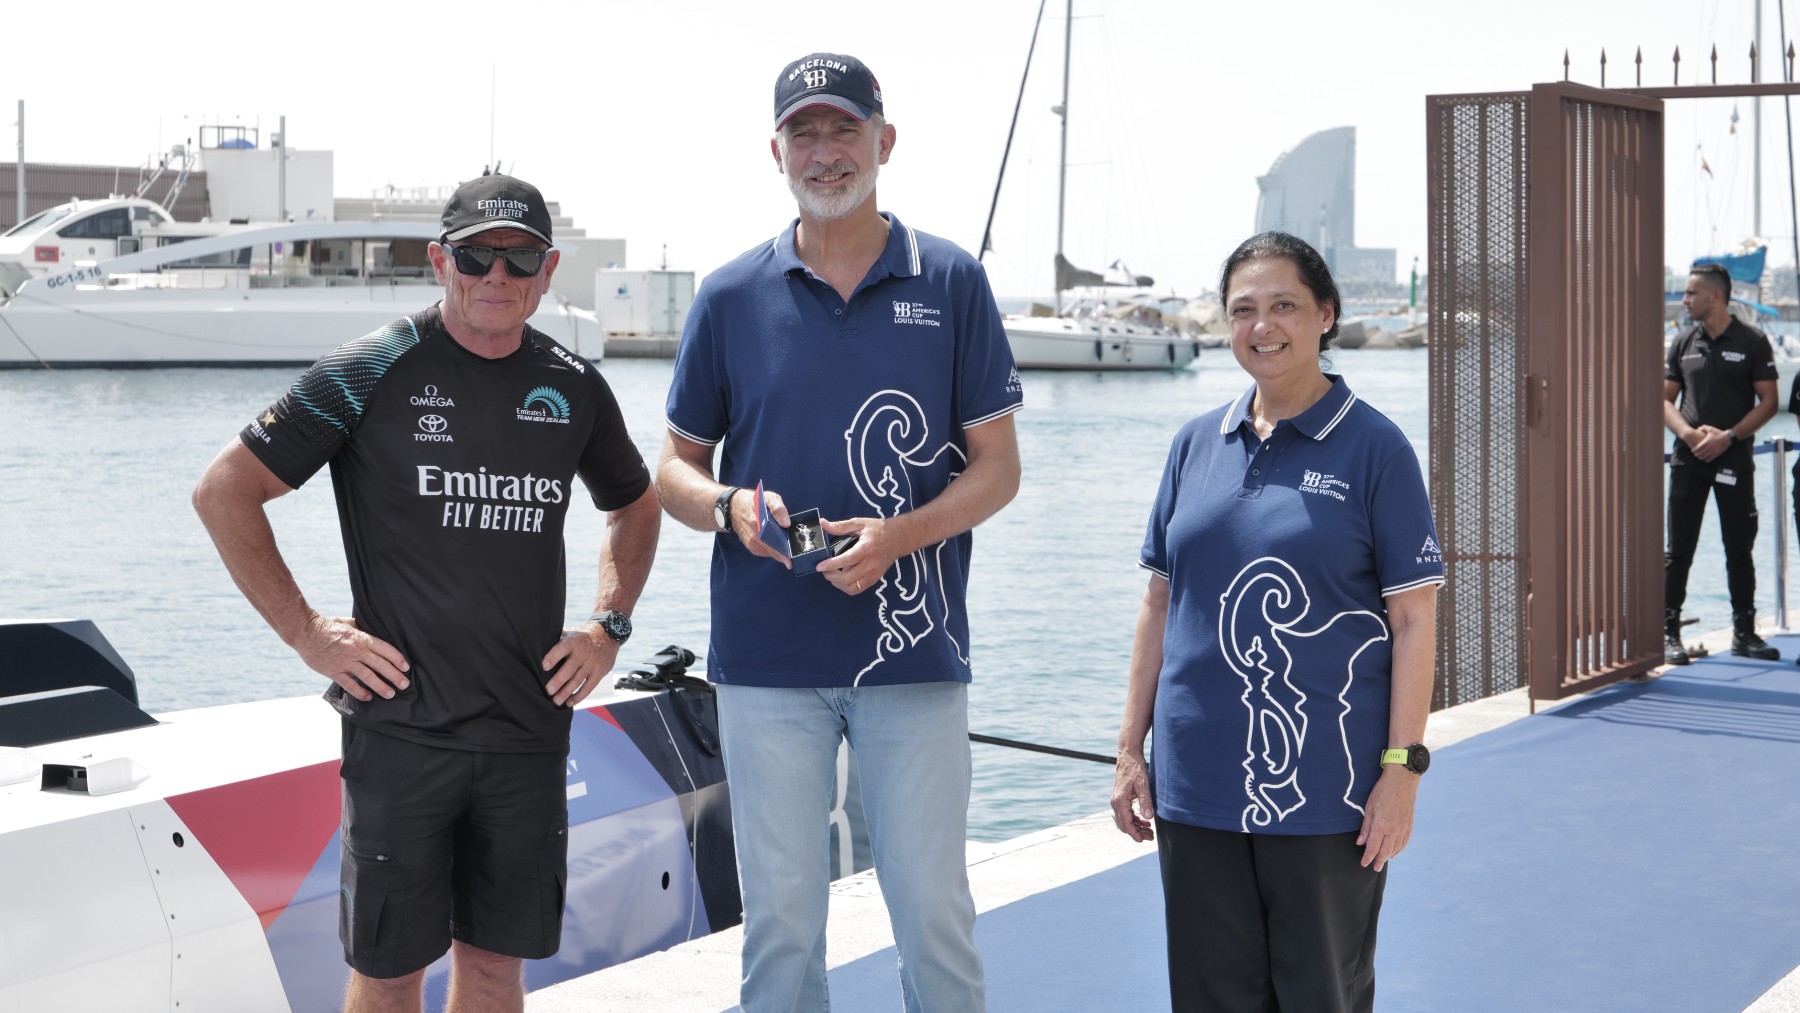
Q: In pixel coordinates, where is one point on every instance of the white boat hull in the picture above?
(210, 879)
(252, 295)
(250, 327)
(1067, 343)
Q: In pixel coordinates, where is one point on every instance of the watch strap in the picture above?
(722, 509)
(1415, 757)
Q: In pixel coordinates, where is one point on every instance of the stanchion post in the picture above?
(1780, 516)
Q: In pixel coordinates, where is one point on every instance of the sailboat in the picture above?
(1094, 329)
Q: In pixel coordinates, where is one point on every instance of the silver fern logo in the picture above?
(544, 404)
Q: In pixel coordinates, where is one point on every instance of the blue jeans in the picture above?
(912, 753)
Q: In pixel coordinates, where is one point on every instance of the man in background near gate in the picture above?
(1718, 390)
(856, 367)
(454, 436)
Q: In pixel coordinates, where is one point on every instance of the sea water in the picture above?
(97, 467)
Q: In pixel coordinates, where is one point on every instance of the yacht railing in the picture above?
(1779, 446)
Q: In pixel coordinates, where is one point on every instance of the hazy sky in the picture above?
(651, 120)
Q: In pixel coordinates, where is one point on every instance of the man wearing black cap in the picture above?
(855, 367)
(454, 436)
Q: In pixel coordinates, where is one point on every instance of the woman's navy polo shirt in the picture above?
(855, 408)
(1272, 703)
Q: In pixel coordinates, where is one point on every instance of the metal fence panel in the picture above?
(1477, 306)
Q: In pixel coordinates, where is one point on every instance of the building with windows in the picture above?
(1310, 191)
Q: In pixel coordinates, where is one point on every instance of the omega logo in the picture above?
(431, 400)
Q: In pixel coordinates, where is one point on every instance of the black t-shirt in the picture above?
(1717, 378)
(453, 474)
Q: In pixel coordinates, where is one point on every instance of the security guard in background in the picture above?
(1723, 375)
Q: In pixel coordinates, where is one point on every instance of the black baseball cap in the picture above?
(495, 201)
(826, 79)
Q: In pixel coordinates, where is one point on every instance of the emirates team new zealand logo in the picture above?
(544, 404)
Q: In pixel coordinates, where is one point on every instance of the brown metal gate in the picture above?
(1546, 280)
(1593, 388)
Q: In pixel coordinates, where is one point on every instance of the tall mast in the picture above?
(987, 232)
(1062, 159)
(21, 163)
(1756, 127)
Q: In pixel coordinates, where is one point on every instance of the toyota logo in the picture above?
(433, 423)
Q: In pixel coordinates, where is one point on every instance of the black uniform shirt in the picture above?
(453, 474)
(1717, 378)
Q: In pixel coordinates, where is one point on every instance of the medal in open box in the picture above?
(804, 541)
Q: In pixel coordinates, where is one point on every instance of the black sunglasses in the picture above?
(521, 262)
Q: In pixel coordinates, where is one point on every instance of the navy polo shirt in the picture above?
(857, 408)
(1272, 703)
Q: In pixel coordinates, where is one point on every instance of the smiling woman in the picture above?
(1284, 657)
(1283, 307)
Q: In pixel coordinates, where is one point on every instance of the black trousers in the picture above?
(1261, 923)
(1689, 484)
(1794, 489)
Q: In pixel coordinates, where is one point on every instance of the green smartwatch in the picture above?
(1415, 757)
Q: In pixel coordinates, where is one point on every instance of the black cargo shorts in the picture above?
(448, 843)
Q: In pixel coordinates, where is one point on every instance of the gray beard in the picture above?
(829, 207)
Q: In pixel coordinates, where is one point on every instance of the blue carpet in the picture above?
(1635, 850)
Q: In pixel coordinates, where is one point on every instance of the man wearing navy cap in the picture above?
(853, 366)
(454, 436)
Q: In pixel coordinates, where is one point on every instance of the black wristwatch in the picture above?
(722, 510)
(1415, 757)
(616, 624)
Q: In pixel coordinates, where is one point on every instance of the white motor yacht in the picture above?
(118, 283)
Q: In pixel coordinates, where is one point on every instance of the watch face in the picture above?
(1418, 759)
(722, 509)
(616, 624)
